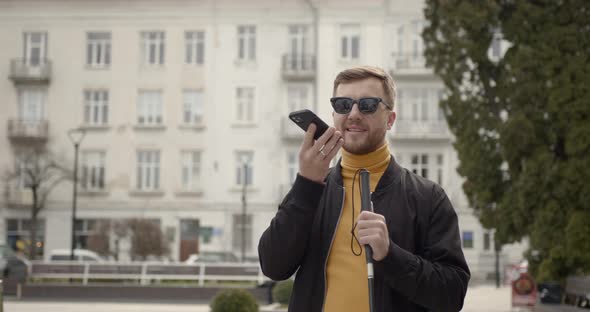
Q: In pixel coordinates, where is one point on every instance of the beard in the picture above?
(365, 142)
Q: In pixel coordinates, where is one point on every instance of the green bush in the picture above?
(234, 300)
(281, 293)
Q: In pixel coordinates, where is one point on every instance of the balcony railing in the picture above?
(409, 64)
(429, 129)
(30, 70)
(299, 67)
(290, 131)
(28, 130)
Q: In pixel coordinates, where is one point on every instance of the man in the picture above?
(319, 232)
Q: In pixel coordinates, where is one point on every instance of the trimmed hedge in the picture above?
(234, 300)
(281, 293)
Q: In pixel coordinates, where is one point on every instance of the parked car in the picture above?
(212, 256)
(12, 265)
(82, 255)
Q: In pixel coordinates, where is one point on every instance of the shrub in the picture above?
(234, 300)
(281, 293)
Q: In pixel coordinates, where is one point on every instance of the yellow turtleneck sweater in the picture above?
(346, 273)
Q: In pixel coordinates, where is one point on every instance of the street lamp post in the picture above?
(76, 136)
(244, 191)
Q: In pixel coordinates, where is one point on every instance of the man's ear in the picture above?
(391, 120)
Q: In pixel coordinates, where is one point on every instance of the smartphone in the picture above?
(305, 117)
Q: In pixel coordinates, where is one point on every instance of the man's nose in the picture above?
(355, 113)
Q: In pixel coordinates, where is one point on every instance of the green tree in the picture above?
(520, 120)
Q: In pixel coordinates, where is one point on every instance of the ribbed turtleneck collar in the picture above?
(375, 161)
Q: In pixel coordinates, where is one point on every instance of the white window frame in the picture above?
(98, 50)
(30, 45)
(192, 107)
(149, 110)
(420, 163)
(153, 47)
(242, 157)
(246, 35)
(350, 35)
(245, 108)
(93, 173)
(96, 106)
(194, 47)
(32, 104)
(190, 171)
(148, 170)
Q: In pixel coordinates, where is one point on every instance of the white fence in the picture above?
(146, 272)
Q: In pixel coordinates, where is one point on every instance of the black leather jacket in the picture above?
(424, 270)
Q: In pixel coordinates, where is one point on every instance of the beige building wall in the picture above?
(218, 137)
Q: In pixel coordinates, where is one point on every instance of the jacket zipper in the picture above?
(329, 249)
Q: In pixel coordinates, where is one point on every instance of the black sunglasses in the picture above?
(343, 105)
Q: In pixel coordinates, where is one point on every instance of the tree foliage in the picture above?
(521, 120)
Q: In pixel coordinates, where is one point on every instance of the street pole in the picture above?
(76, 136)
(244, 186)
(74, 200)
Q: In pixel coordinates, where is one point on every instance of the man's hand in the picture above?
(315, 157)
(372, 230)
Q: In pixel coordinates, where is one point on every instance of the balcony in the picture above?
(28, 131)
(418, 129)
(298, 67)
(409, 64)
(30, 71)
(290, 131)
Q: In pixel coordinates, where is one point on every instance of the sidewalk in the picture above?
(483, 298)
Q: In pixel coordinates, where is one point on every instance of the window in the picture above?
(92, 234)
(424, 105)
(298, 97)
(299, 47)
(93, 170)
(244, 158)
(400, 41)
(31, 104)
(148, 170)
(439, 99)
(18, 236)
(195, 47)
(153, 46)
(96, 107)
(247, 43)
(192, 113)
(245, 105)
(419, 164)
(292, 165)
(468, 239)
(486, 241)
(242, 231)
(25, 167)
(35, 48)
(149, 108)
(98, 49)
(350, 42)
(439, 169)
(191, 170)
(417, 39)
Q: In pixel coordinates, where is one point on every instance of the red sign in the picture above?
(524, 291)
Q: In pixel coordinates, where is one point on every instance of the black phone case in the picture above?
(305, 117)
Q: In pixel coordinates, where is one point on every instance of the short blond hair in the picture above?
(364, 72)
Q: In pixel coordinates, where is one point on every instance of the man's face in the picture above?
(363, 133)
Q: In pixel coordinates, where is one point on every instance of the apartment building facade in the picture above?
(174, 97)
